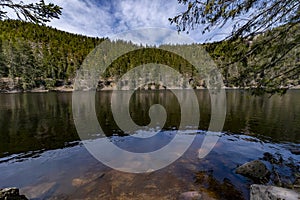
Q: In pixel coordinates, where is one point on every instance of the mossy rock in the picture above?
(255, 169)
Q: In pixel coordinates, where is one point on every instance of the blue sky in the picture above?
(104, 18)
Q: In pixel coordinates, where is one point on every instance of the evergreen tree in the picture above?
(3, 66)
(277, 20)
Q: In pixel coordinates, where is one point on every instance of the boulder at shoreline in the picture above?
(259, 192)
(11, 194)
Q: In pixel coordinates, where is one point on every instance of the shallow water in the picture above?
(41, 152)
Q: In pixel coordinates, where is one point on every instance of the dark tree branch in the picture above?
(33, 12)
(264, 33)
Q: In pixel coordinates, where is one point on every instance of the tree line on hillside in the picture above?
(268, 61)
(34, 55)
(271, 64)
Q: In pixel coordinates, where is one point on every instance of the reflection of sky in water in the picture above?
(63, 165)
(143, 145)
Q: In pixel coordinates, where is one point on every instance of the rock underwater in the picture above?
(11, 194)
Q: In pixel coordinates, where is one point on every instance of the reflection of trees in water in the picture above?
(44, 121)
(35, 121)
(275, 117)
(140, 103)
(221, 190)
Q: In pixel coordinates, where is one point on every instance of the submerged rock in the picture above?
(297, 184)
(271, 159)
(295, 151)
(40, 191)
(255, 169)
(192, 195)
(11, 194)
(259, 192)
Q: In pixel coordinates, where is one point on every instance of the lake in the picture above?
(41, 152)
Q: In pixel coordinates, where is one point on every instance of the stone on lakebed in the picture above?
(11, 194)
(192, 195)
(259, 192)
(254, 169)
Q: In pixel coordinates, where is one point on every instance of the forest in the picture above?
(34, 55)
(37, 56)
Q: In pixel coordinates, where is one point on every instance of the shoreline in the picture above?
(69, 90)
(11, 86)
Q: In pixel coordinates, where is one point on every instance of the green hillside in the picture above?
(34, 56)
(269, 61)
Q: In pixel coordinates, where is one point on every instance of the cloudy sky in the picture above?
(104, 18)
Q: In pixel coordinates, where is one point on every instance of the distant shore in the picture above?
(69, 90)
(11, 87)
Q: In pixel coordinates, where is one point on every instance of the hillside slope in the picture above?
(33, 56)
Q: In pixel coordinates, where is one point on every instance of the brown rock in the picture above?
(38, 191)
(254, 169)
(192, 195)
(258, 192)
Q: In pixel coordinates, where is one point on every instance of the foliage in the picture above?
(33, 12)
(249, 16)
(272, 24)
(38, 56)
(35, 53)
(272, 67)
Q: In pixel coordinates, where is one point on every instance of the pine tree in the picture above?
(3, 65)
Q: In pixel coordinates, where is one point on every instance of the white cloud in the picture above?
(146, 13)
(83, 17)
(153, 36)
(105, 18)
